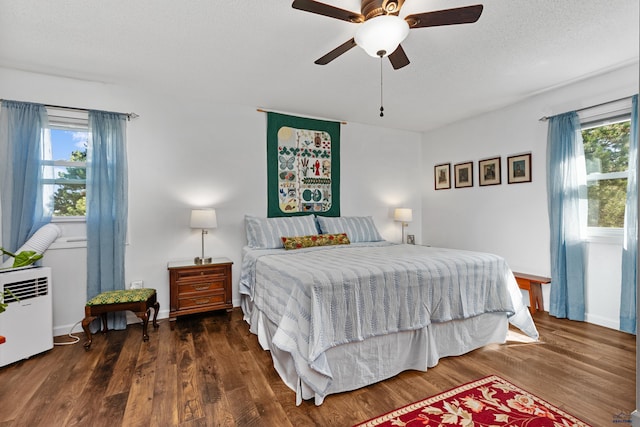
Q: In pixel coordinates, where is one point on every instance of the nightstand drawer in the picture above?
(201, 300)
(209, 272)
(200, 286)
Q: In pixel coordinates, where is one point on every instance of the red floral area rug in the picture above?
(489, 401)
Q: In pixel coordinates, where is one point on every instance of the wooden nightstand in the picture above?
(199, 288)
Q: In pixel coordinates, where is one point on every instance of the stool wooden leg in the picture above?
(536, 296)
(144, 315)
(105, 327)
(156, 308)
(532, 301)
(85, 325)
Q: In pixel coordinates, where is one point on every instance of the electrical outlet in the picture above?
(137, 284)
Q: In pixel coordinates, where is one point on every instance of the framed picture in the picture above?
(519, 168)
(411, 239)
(489, 171)
(442, 176)
(463, 174)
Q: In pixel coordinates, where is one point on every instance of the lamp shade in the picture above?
(403, 215)
(203, 218)
(380, 36)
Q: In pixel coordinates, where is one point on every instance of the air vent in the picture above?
(26, 289)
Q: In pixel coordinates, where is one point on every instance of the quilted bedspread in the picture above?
(327, 296)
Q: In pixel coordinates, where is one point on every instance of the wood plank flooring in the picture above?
(210, 371)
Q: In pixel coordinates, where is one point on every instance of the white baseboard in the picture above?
(603, 321)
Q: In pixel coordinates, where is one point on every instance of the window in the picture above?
(606, 150)
(65, 156)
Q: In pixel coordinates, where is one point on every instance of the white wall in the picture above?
(184, 153)
(512, 219)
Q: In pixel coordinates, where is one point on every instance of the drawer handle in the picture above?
(201, 301)
(200, 287)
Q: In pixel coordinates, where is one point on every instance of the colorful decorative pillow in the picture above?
(358, 228)
(265, 233)
(315, 240)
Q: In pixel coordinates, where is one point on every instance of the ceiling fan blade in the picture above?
(460, 15)
(327, 10)
(398, 58)
(336, 52)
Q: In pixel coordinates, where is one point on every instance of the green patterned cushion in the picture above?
(119, 297)
(315, 240)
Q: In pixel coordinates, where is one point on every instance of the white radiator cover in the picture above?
(27, 323)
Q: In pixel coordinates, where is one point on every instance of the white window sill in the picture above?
(69, 242)
(605, 236)
(69, 219)
(73, 230)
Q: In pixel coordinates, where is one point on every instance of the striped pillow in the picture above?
(358, 228)
(267, 233)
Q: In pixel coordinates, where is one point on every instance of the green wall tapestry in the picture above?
(303, 166)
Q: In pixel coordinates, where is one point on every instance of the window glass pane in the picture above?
(607, 199)
(606, 148)
(67, 198)
(69, 144)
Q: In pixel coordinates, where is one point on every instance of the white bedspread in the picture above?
(324, 297)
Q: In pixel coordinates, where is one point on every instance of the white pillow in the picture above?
(267, 233)
(358, 228)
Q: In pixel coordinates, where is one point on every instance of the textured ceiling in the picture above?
(260, 53)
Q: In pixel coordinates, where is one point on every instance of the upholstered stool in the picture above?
(139, 301)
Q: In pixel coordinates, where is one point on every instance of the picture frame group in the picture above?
(489, 172)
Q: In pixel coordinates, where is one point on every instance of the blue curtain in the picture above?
(566, 191)
(106, 206)
(630, 249)
(22, 128)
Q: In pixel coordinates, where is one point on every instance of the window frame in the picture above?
(611, 113)
(73, 228)
(67, 120)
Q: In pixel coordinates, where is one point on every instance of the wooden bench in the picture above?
(140, 301)
(532, 284)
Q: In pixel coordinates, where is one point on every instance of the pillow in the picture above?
(358, 228)
(266, 233)
(315, 240)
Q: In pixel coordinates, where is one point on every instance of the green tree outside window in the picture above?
(606, 150)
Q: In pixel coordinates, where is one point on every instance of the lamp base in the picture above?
(199, 261)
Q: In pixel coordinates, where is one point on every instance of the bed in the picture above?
(339, 317)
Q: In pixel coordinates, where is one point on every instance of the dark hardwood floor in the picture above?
(211, 371)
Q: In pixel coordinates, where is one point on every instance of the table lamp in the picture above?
(403, 215)
(204, 219)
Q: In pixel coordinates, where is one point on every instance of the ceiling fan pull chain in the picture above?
(381, 107)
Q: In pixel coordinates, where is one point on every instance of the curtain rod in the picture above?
(260, 110)
(62, 107)
(545, 118)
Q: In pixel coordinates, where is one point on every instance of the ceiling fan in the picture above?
(381, 29)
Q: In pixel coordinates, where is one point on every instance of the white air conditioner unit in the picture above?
(27, 323)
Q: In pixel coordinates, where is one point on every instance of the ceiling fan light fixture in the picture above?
(380, 36)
